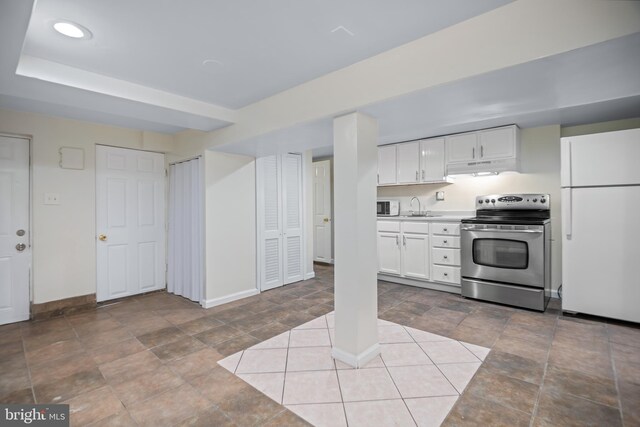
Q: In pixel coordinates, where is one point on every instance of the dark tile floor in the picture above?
(151, 360)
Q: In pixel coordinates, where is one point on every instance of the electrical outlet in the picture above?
(51, 198)
(439, 195)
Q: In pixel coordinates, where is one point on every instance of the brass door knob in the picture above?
(102, 237)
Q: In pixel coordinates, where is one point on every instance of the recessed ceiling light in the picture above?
(71, 29)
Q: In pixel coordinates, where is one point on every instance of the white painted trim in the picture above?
(554, 294)
(311, 275)
(356, 360)
(229, 298)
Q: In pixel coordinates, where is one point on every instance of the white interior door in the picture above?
(15, 253)
(322, 222)
(130, 219)
(185, 273)
(269, 201)
(292, 217)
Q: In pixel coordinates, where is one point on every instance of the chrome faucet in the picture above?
(411, 203)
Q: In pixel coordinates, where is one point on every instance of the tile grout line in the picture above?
(396, 385)
(286, 362)
(534, 411)
(615, 374)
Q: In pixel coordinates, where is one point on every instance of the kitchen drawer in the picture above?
(415, 227)
(445, 242)
(447, 228)
(440, 273)
(445, 256)
(389, 226)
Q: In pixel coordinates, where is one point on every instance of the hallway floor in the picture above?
(152, 360)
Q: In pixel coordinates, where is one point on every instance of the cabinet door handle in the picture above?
(445, 229)
(404, 241)
(473, 153)
(378, 178)
(445, 242)
(445, 257)
(445, 274)
(416, 176)
(481, 151)
(423, 174)
(397, 241)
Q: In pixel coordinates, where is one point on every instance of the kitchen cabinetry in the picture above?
(403, 249)
(490, 150)
(387, 165)
(418, 162)
(445, 253)
(420, 253)
(408, 163)
(432, 168)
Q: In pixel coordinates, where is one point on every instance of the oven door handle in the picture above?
(501, 231)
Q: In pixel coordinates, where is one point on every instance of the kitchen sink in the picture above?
(423, 215)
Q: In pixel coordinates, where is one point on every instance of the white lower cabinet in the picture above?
(403, 249)
(428, 252)
(389, 253)
(415, 255)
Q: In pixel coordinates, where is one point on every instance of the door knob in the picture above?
(20, 233)
(102, 237)
(21, 247)
(326, 220)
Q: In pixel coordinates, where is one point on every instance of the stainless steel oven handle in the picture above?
(494, 230)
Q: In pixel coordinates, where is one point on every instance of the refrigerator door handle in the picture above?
(566, 212)
(565, 169)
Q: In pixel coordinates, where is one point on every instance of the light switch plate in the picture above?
(51, 198)
(439, 195)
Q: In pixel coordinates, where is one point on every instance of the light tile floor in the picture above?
(416, 380)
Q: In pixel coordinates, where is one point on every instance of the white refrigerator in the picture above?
(600, 180)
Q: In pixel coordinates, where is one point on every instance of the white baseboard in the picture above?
(356, 360)
(233, 297)
(310, 275)
(554, 294)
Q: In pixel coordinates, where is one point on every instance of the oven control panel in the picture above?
(513, 201)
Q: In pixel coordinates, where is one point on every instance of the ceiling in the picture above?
(166, 66)
(593, 84)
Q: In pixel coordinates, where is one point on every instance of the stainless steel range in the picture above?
(506, 250)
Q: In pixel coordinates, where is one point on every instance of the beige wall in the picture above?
(230, 253)
(540, 174)
(63, 236)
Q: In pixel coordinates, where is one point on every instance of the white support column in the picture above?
(356, 299)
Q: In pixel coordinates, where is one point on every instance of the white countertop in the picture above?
(438, 216)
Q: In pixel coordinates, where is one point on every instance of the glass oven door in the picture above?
(503, 253)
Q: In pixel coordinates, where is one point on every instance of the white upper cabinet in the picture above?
(491, 150)
(462, 147)
(432, 160)
(497, 143)
(387, 165)
(408, 163)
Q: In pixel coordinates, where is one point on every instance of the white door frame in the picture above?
(29, 249)
(164, 213)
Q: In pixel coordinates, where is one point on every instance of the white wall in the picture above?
(63, 236)
(230, 253)
(540, 174)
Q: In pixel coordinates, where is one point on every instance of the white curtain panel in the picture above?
(186, 230)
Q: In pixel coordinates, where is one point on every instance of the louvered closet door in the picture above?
(270, 202)
(292, 217)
